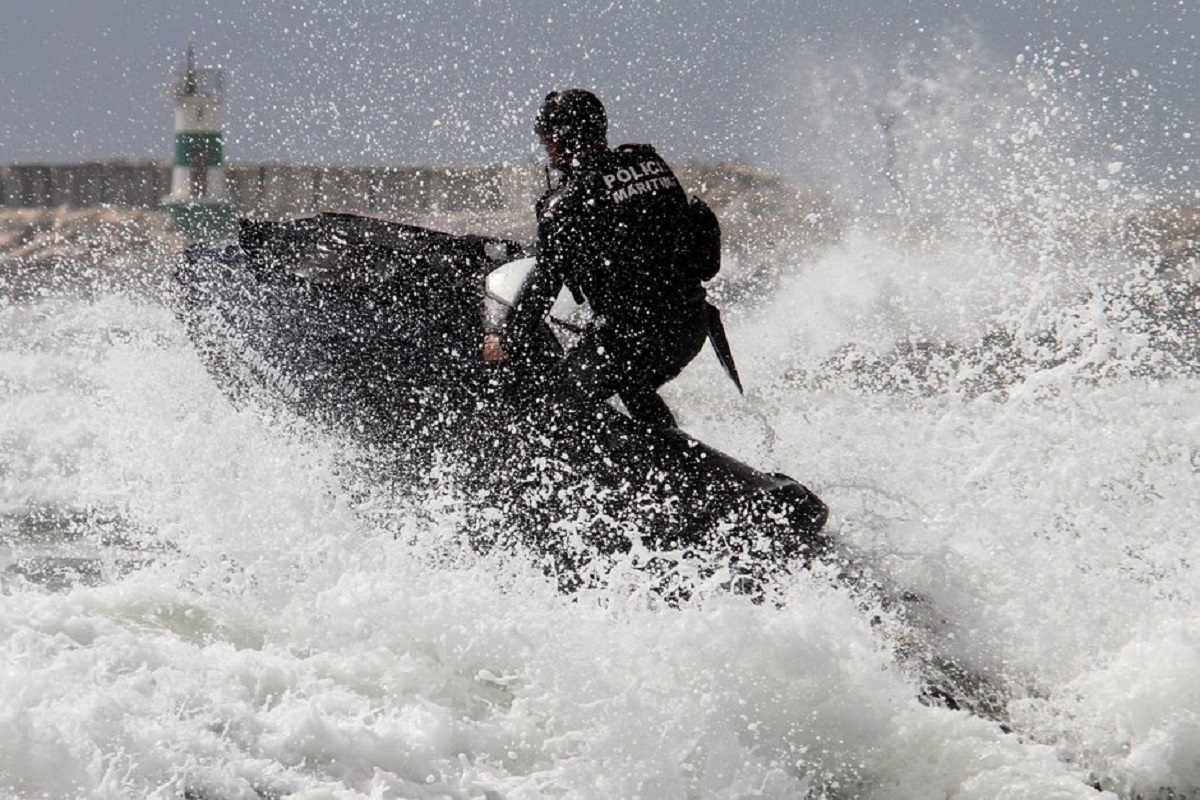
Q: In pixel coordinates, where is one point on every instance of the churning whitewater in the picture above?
(997, 401)
(195, 604)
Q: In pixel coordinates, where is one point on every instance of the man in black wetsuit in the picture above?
(616, 232)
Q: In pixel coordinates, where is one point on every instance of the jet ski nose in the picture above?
(804, 516)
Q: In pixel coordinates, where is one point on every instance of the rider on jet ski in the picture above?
(619, 232)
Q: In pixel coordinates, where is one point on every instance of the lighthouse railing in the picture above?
(199, 82)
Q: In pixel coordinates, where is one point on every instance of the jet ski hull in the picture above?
(372, 331)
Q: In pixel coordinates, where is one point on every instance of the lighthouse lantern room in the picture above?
(199, 201)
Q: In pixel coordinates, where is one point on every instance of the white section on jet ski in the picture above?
(505, 282)
(504, 287)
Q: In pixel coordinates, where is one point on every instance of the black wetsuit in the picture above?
(613, 231)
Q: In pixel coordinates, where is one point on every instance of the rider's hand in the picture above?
(493, 350)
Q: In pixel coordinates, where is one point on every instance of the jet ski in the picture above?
(372, 331)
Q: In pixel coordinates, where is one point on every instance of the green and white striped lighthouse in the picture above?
(199, 200)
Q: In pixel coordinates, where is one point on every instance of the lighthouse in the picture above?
(199, 200)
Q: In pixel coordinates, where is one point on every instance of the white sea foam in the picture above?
(246, 630)
(282, 644)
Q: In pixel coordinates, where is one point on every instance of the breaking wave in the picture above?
(996, 398)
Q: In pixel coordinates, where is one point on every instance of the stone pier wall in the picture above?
(116, 183)
(758, 211)
(275, 191)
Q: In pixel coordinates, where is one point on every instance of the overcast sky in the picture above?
(802, 87)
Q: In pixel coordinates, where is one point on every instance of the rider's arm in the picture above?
(519, 330)
(563, 243)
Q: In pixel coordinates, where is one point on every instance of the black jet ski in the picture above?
(373, 330)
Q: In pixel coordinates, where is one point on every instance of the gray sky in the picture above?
(796, 86)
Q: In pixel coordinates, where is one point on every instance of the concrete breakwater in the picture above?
(275, 191)
(758, 210)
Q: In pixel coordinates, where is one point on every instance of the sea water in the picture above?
(197, 601)
(195, 605)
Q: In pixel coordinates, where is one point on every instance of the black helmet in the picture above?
(572, 118)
